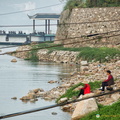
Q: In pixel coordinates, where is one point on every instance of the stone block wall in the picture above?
(87, 21)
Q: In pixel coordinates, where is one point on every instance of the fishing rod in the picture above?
(55, 105)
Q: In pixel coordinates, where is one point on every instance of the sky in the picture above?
(7, 6)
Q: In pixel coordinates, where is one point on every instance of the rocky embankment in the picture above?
(44, 55)
(89, 72)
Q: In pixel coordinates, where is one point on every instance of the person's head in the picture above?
(108, 72)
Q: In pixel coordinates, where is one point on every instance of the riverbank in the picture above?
(92, 70)
(57, 53)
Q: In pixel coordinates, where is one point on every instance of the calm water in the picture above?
(16, 79)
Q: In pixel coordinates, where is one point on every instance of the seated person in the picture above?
(108, 82)
(84, 90)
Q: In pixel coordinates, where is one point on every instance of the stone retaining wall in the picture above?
(46, 55)
(84, 15)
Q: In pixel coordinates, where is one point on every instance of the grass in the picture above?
(32, 55)
(102, 54)
(71, 92)
(111, 112)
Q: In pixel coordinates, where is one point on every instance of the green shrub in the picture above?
(91, 3)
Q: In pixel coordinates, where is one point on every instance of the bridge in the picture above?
(19, 38)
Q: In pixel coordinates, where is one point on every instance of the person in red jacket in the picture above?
(84, 90)
(108, 82)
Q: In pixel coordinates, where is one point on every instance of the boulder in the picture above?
(13, 60)
(115, 96)
(84, 107)
(84, 63)
(62, 100)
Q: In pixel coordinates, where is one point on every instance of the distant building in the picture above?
(47, 17)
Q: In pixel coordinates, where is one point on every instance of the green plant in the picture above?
(102, 54)
(71, 92)
(90, 3)
(32, 55)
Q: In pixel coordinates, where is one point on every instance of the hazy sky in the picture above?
(7, 6)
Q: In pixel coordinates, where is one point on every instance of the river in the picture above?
(16, 79)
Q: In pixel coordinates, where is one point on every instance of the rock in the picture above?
(88, 95)
(31, 96)
(115, 96)
(47, 98)
(13, 60)
(84, 68)
(65, 85)
(0, 50)
(36, 90)
(54, 113)
(97, 91)
(51, 82)
(66, 107)
(14, 98)
(33, 100)
(84, 63)
(84, 107)
(40, 94)
(25, 98)
(62, 100)
(41, 90)
(108, 101)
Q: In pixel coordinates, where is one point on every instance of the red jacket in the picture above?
(86, 88)
(109, 78)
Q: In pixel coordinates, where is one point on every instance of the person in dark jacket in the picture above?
(108, 82)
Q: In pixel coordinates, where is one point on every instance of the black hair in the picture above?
(108, 71)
